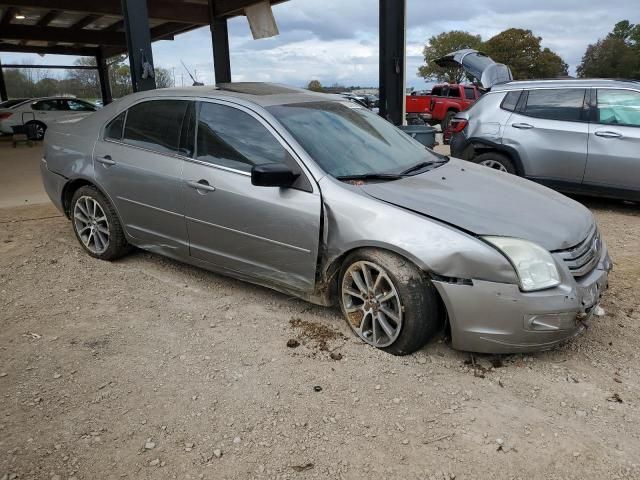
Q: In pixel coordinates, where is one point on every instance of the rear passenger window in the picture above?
(113, 130)
(556, 104)
(454, 92)
(155, 125)
(232, 138)
(511, 100)
(469, 93)
(619, 107)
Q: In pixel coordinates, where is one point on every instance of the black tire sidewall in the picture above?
(117, 244)
(421, 317)
(38, 124)
(497, 157)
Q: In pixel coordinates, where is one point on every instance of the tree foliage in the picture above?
(82, 83)
(315, 86)
(520, 50)
(440, 45)
(615, 56)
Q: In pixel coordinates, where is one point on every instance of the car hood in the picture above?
(478, 65)
(483, 201)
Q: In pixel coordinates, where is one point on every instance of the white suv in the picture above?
(577, 136)
(41, 112)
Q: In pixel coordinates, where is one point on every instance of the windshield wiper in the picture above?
(372, 176)
(421, 165)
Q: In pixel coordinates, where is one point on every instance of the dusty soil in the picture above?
(146, 368)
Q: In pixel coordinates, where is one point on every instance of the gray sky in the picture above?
(337, 40)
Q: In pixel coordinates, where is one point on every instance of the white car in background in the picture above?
(41, 112)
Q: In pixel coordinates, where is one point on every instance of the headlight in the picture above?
(534, 265)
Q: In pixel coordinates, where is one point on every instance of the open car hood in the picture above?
(478, 65)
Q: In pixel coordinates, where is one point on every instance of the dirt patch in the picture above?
(146, 368)
(316, 335)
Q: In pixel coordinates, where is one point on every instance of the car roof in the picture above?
(263, 94)
(553, 83)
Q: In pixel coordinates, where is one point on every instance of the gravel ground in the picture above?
(147, 368)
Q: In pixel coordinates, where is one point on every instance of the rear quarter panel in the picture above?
(68, 148)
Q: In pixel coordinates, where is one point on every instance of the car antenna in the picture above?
(195, 82)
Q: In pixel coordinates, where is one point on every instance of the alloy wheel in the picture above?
(91, 225)
(372, 304)
(494, 164)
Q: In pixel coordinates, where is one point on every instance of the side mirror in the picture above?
(273, 175)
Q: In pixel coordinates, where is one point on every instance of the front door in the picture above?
(614, 141)
(138, 161)
(549, 130)
(263, 233)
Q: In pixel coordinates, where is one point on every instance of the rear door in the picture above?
(138, 162)
(265, 233)
(614, 140)
(549, 129)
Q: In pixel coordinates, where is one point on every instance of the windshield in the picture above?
(348, 140)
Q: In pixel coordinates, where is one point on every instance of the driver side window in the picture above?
(231, 138)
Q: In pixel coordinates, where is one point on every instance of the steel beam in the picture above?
(165, 10)
(103, 76)
(220, 40)
(59, 50)
(3, 86)
(55, 67)
(59, 34)
(392, 59)
(136, 25)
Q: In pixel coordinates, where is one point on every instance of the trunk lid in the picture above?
(478, 65)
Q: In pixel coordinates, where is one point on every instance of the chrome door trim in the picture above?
(257, 237)
(125, 199)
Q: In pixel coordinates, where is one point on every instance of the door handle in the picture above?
(106, 160)
(522, 126)
(608, 134)
(201, 185)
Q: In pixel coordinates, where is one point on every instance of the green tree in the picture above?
(315, 86)
(520, 50)
(440, 45)
(615, 56)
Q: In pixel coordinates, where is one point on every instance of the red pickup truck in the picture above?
(441, 104)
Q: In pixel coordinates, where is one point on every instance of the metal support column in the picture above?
(136, 26)
(103, 75)
(220, 40)
(392, 63)
(3, 86)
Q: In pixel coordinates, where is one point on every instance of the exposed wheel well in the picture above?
(479, 149)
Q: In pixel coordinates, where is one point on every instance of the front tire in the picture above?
(96, 224)
(388, 302)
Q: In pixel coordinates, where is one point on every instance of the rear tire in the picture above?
(40, 127)
(496, 161)
(388, 302)
(96, 224)
(447, 120)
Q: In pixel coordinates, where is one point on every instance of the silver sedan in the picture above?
(318, 197)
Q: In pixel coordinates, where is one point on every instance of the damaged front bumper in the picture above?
(489, 317)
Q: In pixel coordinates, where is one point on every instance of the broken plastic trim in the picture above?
(453, 280)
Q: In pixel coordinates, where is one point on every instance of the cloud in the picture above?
(337, 40)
